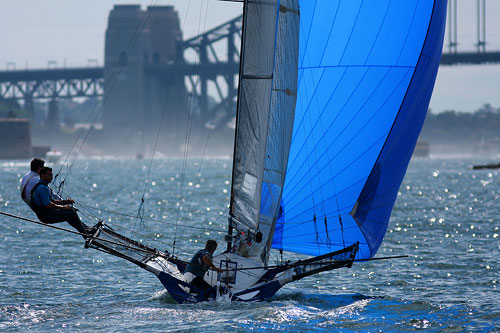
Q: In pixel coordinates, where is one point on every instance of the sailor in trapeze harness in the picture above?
(199, 265)
(51, 211)
(31, 179)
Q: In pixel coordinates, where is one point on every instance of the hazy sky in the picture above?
(70, 32)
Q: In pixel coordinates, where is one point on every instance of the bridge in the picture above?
(211, 68)
(452, 55)
(214, 72)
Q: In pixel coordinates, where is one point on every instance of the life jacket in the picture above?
(27, 199)
(38, 209)
(196, 265)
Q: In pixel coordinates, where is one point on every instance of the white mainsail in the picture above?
(265, 113)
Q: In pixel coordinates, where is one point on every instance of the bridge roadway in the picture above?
(470, 58)
(89, 81)
(51, 83)
(52, 74)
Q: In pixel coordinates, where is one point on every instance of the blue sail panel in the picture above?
(381, 189)
(366, 73)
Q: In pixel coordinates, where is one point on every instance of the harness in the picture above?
(39, 210)
(28, 198)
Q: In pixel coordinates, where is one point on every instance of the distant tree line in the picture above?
(467, 129)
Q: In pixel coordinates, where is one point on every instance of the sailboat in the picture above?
(332, 96)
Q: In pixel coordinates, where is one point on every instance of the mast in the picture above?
(229, 238)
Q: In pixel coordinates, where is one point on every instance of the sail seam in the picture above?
(356, 66)
(257, 77)
(341, 110)
(399, 111)
(265, 141)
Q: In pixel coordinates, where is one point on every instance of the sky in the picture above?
(71, 33)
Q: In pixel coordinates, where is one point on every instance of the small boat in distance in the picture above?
(53, 156)
(486, 166)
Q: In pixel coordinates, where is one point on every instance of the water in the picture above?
(446, 219)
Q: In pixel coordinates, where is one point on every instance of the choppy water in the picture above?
(446, 219)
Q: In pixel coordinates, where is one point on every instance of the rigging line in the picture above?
(189, 125)
(206, 229)
(138, 234)
(164, 109)
(88, 208)
(99, 104)
(88, 215)
(202, 159)
(74, 232)
(146, 219)
(93, 216)
(211, 127)
(316, 263)
(153, 239)
(90, 129)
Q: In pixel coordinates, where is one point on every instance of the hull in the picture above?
(244, 280)
(179, 291)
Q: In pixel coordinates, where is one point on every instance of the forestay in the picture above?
(366, 74)
(266, 103)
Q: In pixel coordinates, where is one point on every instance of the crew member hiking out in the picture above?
(31, 179)
(199, 265)
(54, 211)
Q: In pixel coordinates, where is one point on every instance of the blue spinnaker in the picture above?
(366, 73)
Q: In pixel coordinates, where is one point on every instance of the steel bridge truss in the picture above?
(65, 88)
(204, 51)
(51, 84)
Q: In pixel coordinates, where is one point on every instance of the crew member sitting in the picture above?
(199, 265)
(54, 211)
(31, 179)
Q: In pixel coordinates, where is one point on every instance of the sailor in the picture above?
(49, 210)
(31, 179)
(199, 265)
